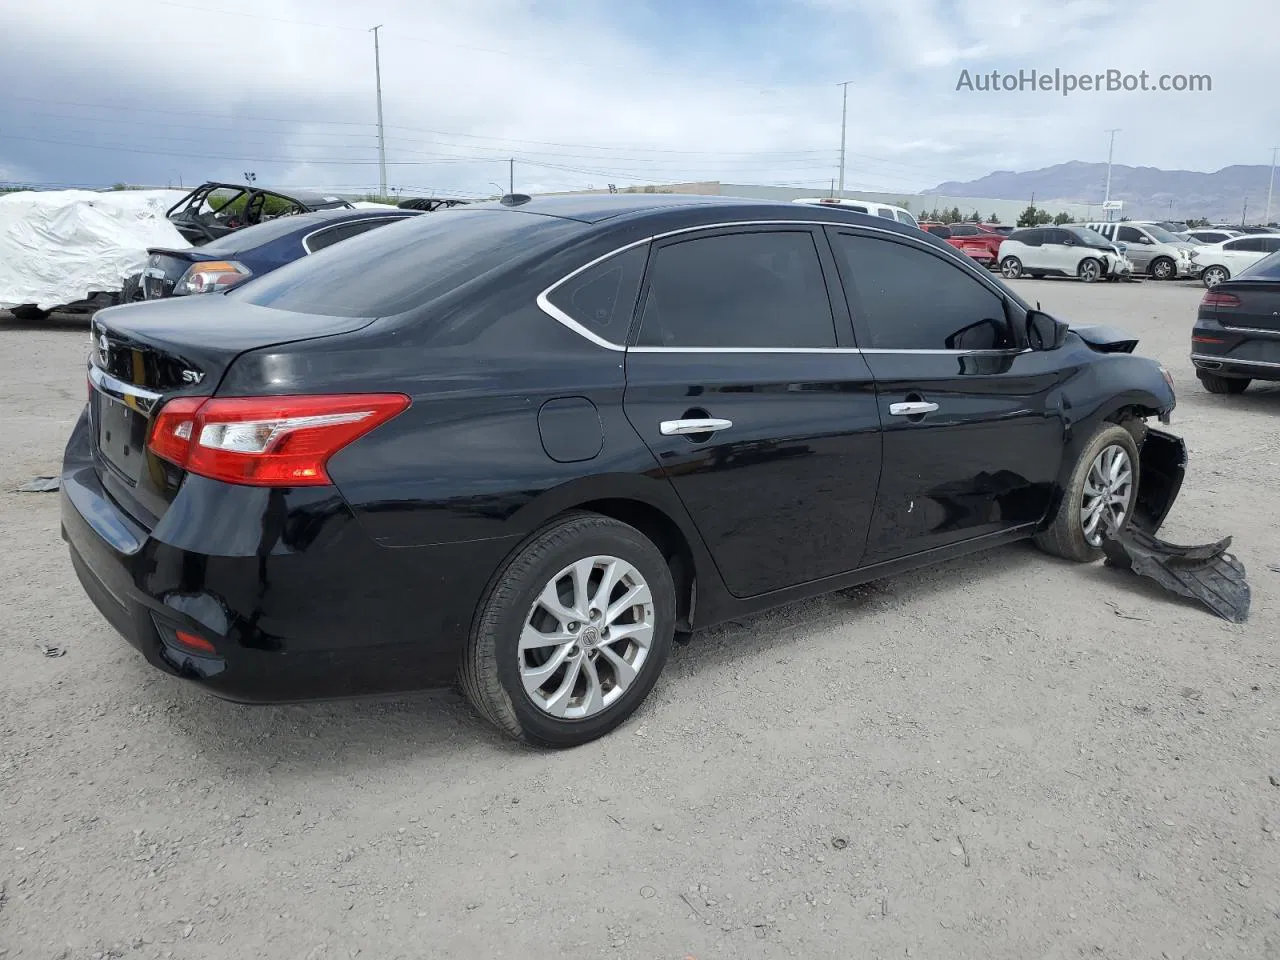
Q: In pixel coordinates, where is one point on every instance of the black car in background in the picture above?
(214, 209)
(1236, 338)
(252, 252)
(525, 443)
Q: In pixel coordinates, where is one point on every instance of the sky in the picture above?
(584, 93)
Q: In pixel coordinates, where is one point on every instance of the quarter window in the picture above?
(910, 299)
(760, 289)
(603, 297)
(345, 231)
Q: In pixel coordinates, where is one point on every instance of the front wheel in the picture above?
(1214, 275)
(572, 634)
(1163, 269)
(1098, 498)
(1011, 268)
(1089, 270)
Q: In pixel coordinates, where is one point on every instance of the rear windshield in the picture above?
(258, 234)
(397, 268)
(1268, 268)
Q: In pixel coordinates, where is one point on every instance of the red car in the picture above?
(978, 240)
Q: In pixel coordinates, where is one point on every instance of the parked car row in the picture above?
(418, 454)
(1065, 251)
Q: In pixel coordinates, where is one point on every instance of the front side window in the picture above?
(1130, 235)
(910, 299)
(761, 289)
(602, 298)
(885, 212)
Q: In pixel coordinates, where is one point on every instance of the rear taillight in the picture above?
(266, 441)
(1212, 299)
(211, 276)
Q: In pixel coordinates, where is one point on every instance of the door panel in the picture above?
(785, 494)
(934, 332)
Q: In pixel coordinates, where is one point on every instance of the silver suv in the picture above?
(1151, 249)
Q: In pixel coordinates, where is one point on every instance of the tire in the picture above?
(132, 291)
(1036, 276)
(1089, 270)
(1219, 384)
(1214, 275)
(1162, 268)
(28, 313)
(1011, 268)
(495, 669)
(1065, 537)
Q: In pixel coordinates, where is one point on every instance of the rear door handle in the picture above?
(678, 428)
(913, 408)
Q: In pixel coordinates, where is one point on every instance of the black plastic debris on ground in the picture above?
(41, 485)
(1205, 573)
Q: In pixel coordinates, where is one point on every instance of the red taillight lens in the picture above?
(266, 441)
(192, 642)
(1212, 299)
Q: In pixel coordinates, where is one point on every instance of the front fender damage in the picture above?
(1206, 573)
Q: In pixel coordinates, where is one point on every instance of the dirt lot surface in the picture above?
(1005, 757)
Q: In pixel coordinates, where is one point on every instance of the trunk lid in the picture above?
(1258, 309)
(143, 355)
(165, 268)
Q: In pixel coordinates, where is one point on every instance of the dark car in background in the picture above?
(254, 251)
(525, 443)
(1236, 338)
(214, 209)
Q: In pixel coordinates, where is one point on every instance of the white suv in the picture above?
(886, 210)
(1222, 261)
(1068, 251)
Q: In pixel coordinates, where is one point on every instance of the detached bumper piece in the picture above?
(1206, 573)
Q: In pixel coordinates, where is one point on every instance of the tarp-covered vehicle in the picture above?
(71, 250)
(213, 209)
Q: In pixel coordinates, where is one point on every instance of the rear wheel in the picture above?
(1098, 498)
(1089, 270)
(1011, 268)
(572, 634)
(1219, 384)
(1162, 268)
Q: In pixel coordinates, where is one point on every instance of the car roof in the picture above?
(294, 225)
(597, 207)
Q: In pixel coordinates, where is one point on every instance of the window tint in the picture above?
(1032, 238)
(1129, 235)
(345, 231)
(911, 299)
(885, 212)
(1246, 244)
(1054, 236)
(1271, 244)
(964, 230)
(386, 272)
(907, 218)
(856, 209)
(738, 290)
(939, 231)
(603, 298)
(1268, 268)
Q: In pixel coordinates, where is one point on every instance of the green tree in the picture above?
(993, 218)
(975, 217)
(1062, 218)
(955, 215)
(903, 204)
(1027, 218)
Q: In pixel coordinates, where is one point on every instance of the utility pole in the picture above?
(844, 117)
(1271, 184)
(1110, 152)
(1244, 212)
(511, 175)
(382, 140)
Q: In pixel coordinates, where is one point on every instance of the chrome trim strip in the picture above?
(1231, 361)
(144, 401)
(1255, 330)
(555, 313)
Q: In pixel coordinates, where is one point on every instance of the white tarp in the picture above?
(372, 205)
(57, 246)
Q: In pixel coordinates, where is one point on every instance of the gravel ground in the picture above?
(1004, 757)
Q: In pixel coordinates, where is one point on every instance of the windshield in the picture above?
(405, 265)
(1091, 237)
(1160, 233)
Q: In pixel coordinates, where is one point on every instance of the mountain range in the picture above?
(1147, 192)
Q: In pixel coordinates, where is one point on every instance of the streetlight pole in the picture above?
(511, 175)
(1110, 153)
(1271, 184)
(844, 117)
(382, 140)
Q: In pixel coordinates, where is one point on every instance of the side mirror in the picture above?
(1145, 240)
(1045, 332)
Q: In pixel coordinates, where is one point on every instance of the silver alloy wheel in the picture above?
(1089, 271)
(586, 638)
(1108, 492)
(1163, 269)
(1214, 276)
(1011, 268)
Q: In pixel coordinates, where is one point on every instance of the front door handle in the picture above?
(915, 408)
(679, 428)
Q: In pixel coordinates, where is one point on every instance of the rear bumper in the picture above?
(321, 611)
(1235, 351)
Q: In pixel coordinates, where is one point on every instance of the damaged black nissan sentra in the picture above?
(526, 443)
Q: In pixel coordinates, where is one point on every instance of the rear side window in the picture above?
(1271, 244)
(885, 212)
(907, 218)
(391, 271)
(910, 299)
(761, 289)
(1032, 238)
(1246, 244)
(602, 297)
(963, 230)
(345, 231)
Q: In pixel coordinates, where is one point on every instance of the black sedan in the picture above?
(526, 443)
(1236, 339)
(232, 259)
